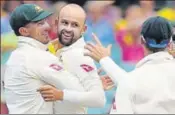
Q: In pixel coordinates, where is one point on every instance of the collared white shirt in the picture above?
(30, 67)
(149, 89)
(83, 67)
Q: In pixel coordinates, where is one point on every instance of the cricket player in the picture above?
(30, 66)
(172, 45)
(71, 26)
(149, 89)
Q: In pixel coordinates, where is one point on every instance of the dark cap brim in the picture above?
(42, 16)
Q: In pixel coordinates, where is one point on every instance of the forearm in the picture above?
(93, 95)
(113, 70)
(87, 99)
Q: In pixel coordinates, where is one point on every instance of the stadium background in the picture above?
(115, 22)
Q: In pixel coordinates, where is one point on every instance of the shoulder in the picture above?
(79, 54)
(76, 55)
(17, 56)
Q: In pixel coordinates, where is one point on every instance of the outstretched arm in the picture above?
(101, 54)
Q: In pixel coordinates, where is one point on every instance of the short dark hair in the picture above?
(154, 50)
(157, 33)
(16, 31)
(16, 28)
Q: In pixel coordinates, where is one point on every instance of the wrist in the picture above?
(60, 95)
(103, 58)
(98, 59)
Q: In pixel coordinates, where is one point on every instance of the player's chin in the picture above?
(46, 40)
(66, 42)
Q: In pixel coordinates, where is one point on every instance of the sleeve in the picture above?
(123, 99)
(94, 96)
(113, 70)
(56, 75)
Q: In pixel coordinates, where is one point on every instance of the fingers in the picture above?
(87, 54)
(93, 53)
(94, 49)
(90, 47)
(109, 47)
(45, 88)
(49, 99)
(110, 83)
(110, 87)
(107, 79)
(95, 38)
(50, 93)
(47, 96)
(90, 54)
(46, 92)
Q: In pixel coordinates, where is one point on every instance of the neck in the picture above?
(147, 51)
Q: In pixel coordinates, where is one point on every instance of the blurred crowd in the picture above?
(112, 24)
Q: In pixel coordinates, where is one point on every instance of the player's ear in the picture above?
(56, 22)
(84, 29)
(24, 31)
(142, 40)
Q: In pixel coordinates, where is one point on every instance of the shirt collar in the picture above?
(78, 44)
(155, 57)
(32, 42)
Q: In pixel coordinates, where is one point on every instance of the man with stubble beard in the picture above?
(71, 26)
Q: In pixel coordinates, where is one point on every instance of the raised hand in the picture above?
(97, 51)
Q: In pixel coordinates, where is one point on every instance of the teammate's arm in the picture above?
(93, 96)
(51, 75)
(101, 54)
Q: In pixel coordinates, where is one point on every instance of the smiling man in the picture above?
(71, 26)
(30, 67)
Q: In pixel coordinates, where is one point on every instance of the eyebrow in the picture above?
(64, 20)
(69, 21)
